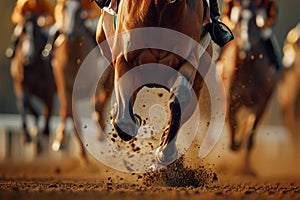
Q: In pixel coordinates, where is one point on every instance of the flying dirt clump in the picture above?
(179, 175)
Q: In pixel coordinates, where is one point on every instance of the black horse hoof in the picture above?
(28, 137)
(235, 147)
(122, 134)
(128, 135)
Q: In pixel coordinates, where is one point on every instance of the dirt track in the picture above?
(72, 179)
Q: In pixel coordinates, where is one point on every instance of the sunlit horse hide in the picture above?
(249, 78)
(71, 48)
(184, 16)
(32, 75)
(289, 85)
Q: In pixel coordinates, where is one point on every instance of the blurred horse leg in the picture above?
(287, 96)
(22, 103)
(233, 124)
(104, 91)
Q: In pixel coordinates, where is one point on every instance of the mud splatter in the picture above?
(179, 175)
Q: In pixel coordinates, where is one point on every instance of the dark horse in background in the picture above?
(184, 16)
(32, 75)
(250, 79)
(71, 48)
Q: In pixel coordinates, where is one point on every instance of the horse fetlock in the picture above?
(235, 146)
(27, 136)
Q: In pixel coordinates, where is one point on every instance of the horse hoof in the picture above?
(123, 135)
(39, 148)
(235, 147)
(249, 172)
(156, 167)
(131, 131)
(57, 145)
(166, 158)
(28, 138)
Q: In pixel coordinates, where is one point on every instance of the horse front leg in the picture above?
(23, 105)
(124, 121)
(233, 108)
(60, 132)
(182, 103)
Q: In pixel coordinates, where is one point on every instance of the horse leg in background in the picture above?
(60, 134)
(104, 91)
(287, 96)
(46, 130)
(36, 120)
(83, 154)
(233, 125)
(22, 107)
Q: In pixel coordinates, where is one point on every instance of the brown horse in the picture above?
(249, 77)
(289, 85)
(32, 75)
(71, 48)
(184, 16)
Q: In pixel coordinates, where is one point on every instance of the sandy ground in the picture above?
(72, 178)
(69, 177)
(63, 175)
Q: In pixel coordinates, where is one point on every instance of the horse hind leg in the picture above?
(22, 104)
(104, 91)
(233, 108)
(82, 152)
(250, 143)
(60, 134)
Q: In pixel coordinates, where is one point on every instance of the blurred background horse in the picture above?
(32, 75)
(71, 48)
(289, 85)
(250, 79)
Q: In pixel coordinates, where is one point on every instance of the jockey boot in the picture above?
(273, 56)
(10, 51)
(102, 3)
(219, 32)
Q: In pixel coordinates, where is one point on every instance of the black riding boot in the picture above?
(102, 3)
(272, 54)
(219, 32)
(10, 51)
